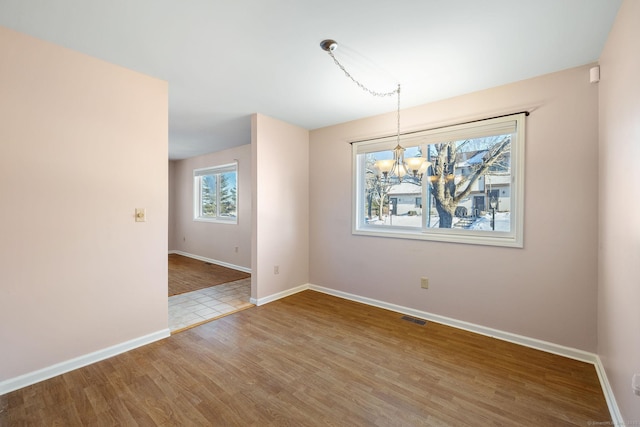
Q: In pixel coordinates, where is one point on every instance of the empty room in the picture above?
(428, 204)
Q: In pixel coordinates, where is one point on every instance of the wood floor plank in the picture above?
(189, 274)
(312, 359)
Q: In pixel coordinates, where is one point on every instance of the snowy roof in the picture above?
(406, 188)
(476, 159)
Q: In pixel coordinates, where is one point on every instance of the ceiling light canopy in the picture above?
(329, 45)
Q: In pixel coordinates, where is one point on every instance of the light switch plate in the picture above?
(141, 215)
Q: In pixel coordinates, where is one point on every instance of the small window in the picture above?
(216, 194)
(468, 189)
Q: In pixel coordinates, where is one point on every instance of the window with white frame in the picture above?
(216, 194)
(469, 189)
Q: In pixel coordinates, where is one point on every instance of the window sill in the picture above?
(217, 220)
(447, 236)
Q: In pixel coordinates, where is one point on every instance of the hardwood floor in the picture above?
(188, 274)
(313, 359)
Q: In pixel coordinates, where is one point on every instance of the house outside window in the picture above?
(472, 186)
(216, 194)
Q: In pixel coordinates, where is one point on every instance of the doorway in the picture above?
(201, 291)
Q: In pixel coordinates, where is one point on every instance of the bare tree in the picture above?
(376, 190)
(447, 188)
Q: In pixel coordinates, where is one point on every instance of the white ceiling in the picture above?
(227, 59)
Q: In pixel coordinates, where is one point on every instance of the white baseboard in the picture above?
(60, 368)
(479, 329)
(548, 347)
(616, 416)
(212, 261)
(277, 296)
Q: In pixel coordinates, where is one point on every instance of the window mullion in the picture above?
(426, 197)
(218, 195)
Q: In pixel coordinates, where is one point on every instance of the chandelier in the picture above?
(398, 169)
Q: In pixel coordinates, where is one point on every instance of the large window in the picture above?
(216, 194)
(469, 189)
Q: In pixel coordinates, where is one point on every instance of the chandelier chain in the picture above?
(399, 168)
(398, 134)
(360, 85)
(370, 91)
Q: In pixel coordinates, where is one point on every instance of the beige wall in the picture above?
(619, 292)
(545, 291)
(280, 156)
(214, 241)
(82, 144)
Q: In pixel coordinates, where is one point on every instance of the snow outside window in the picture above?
(216, 194)
(471, 192)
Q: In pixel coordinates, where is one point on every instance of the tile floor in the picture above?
(193, 308)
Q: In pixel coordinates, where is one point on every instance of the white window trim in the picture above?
(229, 167)
(513, 238)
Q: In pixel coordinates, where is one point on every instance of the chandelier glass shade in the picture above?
(399, 169)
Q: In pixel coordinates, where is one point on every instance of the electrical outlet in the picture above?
(276, 269)
(424, 283)
(635, 384)
(236, 249)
